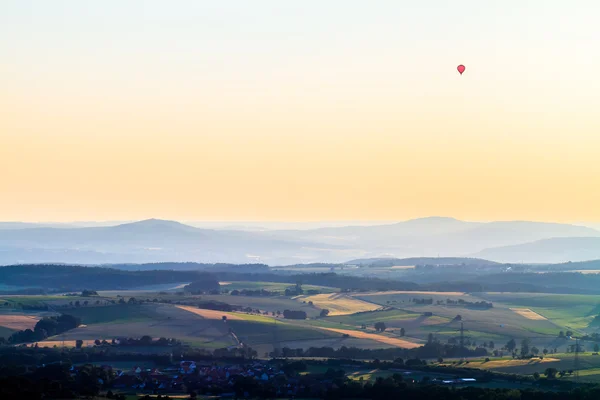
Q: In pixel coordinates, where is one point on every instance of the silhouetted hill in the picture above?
(547, 251)
(156, 240)
(390, 262)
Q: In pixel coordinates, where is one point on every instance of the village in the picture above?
(250, 379)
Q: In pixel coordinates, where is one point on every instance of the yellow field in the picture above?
(405, 344)
(60, 343)
(210, 314)
(588, 271)
(527, 313)
(338, 303)
(403, 267)
(19, 322)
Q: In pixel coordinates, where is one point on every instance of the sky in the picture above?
(299, 110)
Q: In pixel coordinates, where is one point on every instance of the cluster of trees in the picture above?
(218, 306)
(293, 314)
(143, 341)
(476, 304)
(250, 292)
(380, 326)
(209, 283)
(48, 326)
(551, 373)
(422, 301)
(594, 337)
(526, 350)
(294, 290)
(459, 302)
(432, 349)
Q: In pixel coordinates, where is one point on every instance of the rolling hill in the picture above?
(547, 251)
(169, 241)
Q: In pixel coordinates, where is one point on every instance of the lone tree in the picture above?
(324, 312)
(550, 373)
(525, 347)
(511, 345)
(402, 331)
(380, 326)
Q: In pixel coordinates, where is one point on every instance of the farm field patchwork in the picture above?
(536, 316)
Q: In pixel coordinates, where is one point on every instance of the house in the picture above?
(125, 381)
(187, 367)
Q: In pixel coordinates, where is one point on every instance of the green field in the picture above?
(115, 314)
(388, 316)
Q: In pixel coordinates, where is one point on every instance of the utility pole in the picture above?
(462, 335)
(276, 344)
(576, 361)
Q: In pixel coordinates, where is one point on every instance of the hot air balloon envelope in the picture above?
(461, 69)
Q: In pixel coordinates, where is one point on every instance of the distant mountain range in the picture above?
(554, 250)
(163, 241)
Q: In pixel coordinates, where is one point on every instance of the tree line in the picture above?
(45, 327)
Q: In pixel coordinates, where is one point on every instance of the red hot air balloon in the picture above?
(461, 69)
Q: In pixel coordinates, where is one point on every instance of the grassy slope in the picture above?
(6, 332)
(121, 313)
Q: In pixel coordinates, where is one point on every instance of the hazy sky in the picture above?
(299, 110)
